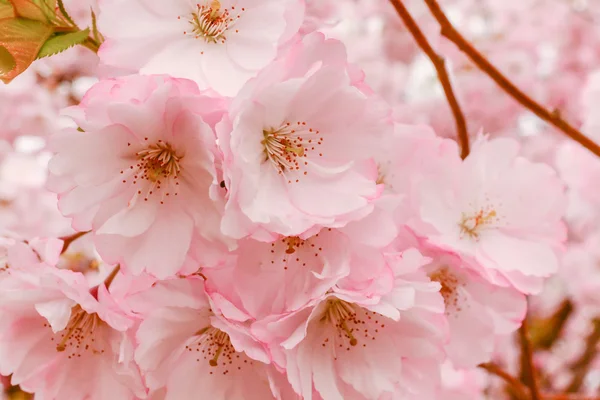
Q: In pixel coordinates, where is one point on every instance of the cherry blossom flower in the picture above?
(291, 271)
(348, 345)
(142, 173)
(488, 210)
(59, 340)
(477, 311)
(301, 135)
(218, 43)
(188, 349)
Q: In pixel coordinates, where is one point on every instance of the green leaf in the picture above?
(64, 12)
(59, 43)
(97, 35)
(22, 39)
(6, 9)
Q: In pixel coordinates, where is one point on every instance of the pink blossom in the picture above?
(477, 311)
(488, 210)
(60, 341)
(142, 172)
(350, 346)
(185, 347)
(218, 43)
(291, 272)
(301, 136)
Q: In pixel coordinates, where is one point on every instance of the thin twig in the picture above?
(517, 388)
(569, 396)
(111, 277)
(70, 239)
(582, 365)
(551, 117)
(546, 331)
(443, 76)
(528, 372)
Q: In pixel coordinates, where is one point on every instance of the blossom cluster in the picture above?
(243, 199)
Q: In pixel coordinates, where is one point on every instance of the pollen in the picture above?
(81, 336)
(353, 325)
(212, 22)
(289, 147)
(450, 284)
(213, 346)
(472, 225)
(156, 169)
(294, 252)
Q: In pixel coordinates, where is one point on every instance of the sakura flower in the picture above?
(350, 346)
(301, 136)
(477, 311)
(188, 349)
(142, 173)
(220, 44)
(489, 210)
(291, 272)
(60, 341)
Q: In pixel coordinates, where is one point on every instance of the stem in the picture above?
(546, 331)
(111, 277)
(70, 239)
(551, 117)
(518, 389)
(440, 67)
(527, 368)
(581, 366)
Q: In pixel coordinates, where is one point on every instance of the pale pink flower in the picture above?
(291, 272)
(301, 136)
(351, 346)
(220, 44)
(142, 174)
(477, 311)
(60, 341)
(185, 347)
(489, 210)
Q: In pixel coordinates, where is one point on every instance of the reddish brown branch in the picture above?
(108, 281)
(551, 117)
(442, 73)
(582, 365)
(569, 396)
(70, 239)
(519, 390)
(528, 372)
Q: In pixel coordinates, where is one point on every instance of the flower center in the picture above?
(157, 165)
(78, 262)
(288, 146)
(471, 225)
(211, 22)
(214, 346)
(341, 314)
(352, 323)
(159, 161)
(450, 284)
(79, 335)
(295, 251)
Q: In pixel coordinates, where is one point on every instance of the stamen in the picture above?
(289, 146)
(79, 335)
(212, 345)
(472, 225)
(211, 22)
